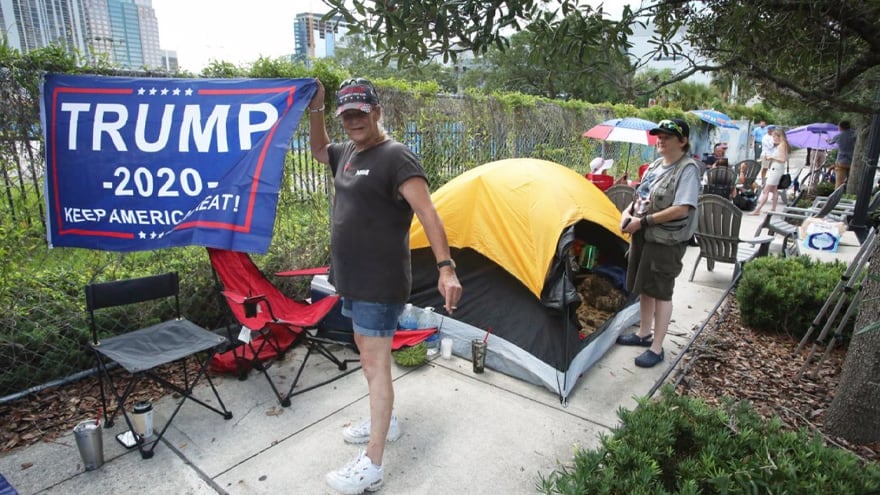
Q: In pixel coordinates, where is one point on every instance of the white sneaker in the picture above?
(356, 477)
(360, 433)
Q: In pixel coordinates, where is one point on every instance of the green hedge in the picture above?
(784, 294)
(681, 445)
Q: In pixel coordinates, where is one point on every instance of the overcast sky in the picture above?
(241, 31)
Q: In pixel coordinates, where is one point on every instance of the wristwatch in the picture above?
(449, 262)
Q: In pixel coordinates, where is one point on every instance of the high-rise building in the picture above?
(169, 61)
(149, 29)
(315, 38)
(31, 24)
(124, 31)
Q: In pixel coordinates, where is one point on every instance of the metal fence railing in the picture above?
(43, 332)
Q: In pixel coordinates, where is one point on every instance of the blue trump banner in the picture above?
(137, 164)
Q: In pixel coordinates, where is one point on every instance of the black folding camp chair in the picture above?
(141, 351)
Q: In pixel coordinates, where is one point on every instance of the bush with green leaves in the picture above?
(681, 445)
(784, 294)
(44, 330)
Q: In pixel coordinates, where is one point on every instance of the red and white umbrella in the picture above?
(625, 130)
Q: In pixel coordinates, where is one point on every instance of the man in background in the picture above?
(757, 138)
(846, 143)
(717, 153)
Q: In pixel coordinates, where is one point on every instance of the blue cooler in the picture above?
(334, 326)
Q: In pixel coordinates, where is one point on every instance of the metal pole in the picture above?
(858, 224)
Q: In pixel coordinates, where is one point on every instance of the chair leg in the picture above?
(763, 225)
(185, 393)
(108, 419)
(263, 368)
(699, 256)
(318, 345)
(792, 251)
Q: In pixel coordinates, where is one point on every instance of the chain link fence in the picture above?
(44, 331)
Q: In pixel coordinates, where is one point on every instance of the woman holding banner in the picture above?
(379, 185)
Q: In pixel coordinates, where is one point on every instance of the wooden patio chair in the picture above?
(718, 223)
(621, 195)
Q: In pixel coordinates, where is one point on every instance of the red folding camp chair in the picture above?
(269, 314)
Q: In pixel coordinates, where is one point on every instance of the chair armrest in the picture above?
(788, 216)
(764, 239)
(763, 243)
(800, 211)
(240, 299)
(321, 270)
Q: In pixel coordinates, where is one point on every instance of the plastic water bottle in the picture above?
(428, 319)
(409, 319)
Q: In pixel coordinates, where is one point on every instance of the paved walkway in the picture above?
(462, 433)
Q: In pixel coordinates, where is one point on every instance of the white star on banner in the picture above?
(164, 91)
(189, 91)
(141, 91)
(142, 235)
(176, 92)
(152, 91)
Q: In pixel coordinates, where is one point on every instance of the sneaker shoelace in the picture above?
(350, 468)
(362, 429)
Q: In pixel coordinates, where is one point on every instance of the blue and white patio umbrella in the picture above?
(715, 118)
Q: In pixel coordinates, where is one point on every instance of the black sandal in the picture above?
(634, 339)
(649, 359)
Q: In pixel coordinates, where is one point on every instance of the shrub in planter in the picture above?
(824, 188)
(681, 445)
(785, 294)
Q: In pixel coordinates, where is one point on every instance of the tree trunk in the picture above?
(854, 413)
(860, 155)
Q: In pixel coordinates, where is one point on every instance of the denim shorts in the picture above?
(372, 319)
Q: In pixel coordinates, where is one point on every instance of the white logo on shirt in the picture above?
(362, 172)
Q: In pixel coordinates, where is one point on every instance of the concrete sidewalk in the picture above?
(462, 432)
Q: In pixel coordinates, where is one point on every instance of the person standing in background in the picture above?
(778, 164)
(379, 185)
(662, 219)
(757, 138)
(846, 144)
(768, 148)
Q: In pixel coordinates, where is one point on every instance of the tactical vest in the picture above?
(662, 196)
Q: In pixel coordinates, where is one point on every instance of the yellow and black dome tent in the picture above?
(510, 224)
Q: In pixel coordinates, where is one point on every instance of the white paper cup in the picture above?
(446, 347)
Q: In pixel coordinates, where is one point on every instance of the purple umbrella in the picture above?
(814, 136)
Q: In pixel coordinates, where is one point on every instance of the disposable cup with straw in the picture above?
(478, 352)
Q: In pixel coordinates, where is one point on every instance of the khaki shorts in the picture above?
(652, 268)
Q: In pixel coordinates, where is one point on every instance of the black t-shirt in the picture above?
(369, 237)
